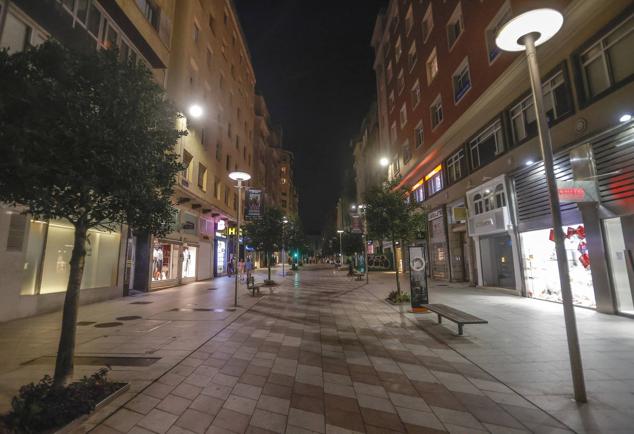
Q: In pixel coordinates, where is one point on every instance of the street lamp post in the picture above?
(240, 177)
(362, 209)
(284, 221)
(524, 33)
(340, 232)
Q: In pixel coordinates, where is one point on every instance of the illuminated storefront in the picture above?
(220, 257)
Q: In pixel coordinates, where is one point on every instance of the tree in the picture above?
(352, 243)
(294, 237)
(86, 138)
(265, 234)
(390, 215)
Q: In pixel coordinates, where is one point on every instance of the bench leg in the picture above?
(460, 329)
(439, 318)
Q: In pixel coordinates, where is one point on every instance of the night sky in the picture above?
(313, 65)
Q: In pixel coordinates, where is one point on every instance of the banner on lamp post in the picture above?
(253, 204)
(418, 277)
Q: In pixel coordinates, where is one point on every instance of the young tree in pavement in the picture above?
(294, 237)
(265, 234)
(391, 216)
(87, 138)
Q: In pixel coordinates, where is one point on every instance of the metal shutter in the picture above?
(614, 156)
(17, 229)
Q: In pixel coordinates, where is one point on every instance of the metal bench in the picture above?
(252, 286)
(459, 317)
(357, 275)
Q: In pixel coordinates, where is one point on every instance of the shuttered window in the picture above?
(17, 229)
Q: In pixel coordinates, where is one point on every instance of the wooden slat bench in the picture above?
(252, 286)
(459, 317)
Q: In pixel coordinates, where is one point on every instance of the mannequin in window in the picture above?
(186, 261)
(157, 258)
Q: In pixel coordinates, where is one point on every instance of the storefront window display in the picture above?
(540, 265)
(221, 252)
(164, 261)
(189, 262)
(617, 255)
(57, 238)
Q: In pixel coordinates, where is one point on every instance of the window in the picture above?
(487, 145)
(431, 66)
(209, 57)
(228, 162)
(500, 196)
(403, 115)
(419, 194)
(412, 57)
(523, 121)
(189, 168)
(407, 153)
(609, 61)
(196, 33)
(428, 23)
(151, 11)
(17, 34)
(434, 184)
(394, 24)
(456, 166)
(400, 83)
(503, 15)
(461, 81)
(478, 205)
(218, 151)
(393, 132)
(202, 177)
(436, 112)
(416, 94)
(398, 49)
(409, 20)
(395, 167)
(391, 100)
(94, 20)
(419, 135)
(217, 187)
(455, 26)
(389, 72)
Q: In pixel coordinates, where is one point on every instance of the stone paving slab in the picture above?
(321, 355)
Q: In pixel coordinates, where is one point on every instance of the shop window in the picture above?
(188, 267)
(400, 82)
(428, 23)
(218, 151)
(431, 66)
(418, 132)
(412, 57)
(456, 166)
(434, 184)
(490, 33)
(436, 112)
(608, 61)
(164, 261)
(409, 20)
(500, 196)
(403, 115)
(455, 26)
(416, 94)
(478, 204)
(461, 81)
(202, 177)
(486, 146)
(407, 153)
(189, 168)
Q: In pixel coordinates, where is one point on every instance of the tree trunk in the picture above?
(398, 282)
(268, 263)
(66, 348)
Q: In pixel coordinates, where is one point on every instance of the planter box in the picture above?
(396, 304)
(72, 426)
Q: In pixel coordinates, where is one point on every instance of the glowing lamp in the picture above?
(195, 111)
(542, 23)
(239, 176)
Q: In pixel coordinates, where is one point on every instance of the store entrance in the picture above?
(496, 255)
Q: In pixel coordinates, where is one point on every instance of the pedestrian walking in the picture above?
(241, 269)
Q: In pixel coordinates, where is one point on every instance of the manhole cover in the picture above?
(141, 302)
(105, 325)
(99, 361)
(202, 309)
(86, 323)
(128, 318)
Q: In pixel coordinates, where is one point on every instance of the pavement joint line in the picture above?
(418, 326)
(103, 419)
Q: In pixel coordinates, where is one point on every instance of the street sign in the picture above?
(417, 277)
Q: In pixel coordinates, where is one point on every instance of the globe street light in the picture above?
(240, 177)
(384, 162)
(195, 111)
(284, 221)
(340, 232)
(525, 32)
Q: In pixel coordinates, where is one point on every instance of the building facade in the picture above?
(458, 115)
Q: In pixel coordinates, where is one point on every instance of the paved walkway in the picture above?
(322, 355)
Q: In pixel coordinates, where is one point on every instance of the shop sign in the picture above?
(435, 214)
(253, 206)
(221, 225)
(188, 223)
(577, 191)
(417, 277)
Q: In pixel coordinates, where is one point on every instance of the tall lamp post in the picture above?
(362, 209)
(284, 221)
(240, 177)
(524, 33)
(340, 232)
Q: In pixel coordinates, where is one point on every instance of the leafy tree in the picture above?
(351, 243)
(294, 237)
(265, 234)
(390, 215)
(89, 139)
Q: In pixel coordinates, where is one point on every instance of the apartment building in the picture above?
(366, 154)
(458, 116)
(34, 254)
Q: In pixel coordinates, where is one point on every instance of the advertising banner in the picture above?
(253, 204)
(417, 277)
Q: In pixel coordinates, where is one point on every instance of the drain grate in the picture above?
(128, 318)
(99, 361)
(202, 309)
(141, 302)
(105, 325)
(86, 323)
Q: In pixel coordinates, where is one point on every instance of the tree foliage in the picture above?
(86, 138)
(265, 234)
(391, 216)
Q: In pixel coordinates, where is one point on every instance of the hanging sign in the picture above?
(417, 277)
(253, 204)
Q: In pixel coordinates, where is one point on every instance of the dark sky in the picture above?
(313, 64)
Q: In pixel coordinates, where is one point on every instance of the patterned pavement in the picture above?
(323, 355)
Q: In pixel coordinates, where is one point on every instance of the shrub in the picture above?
(396, 297)
(40, 407)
